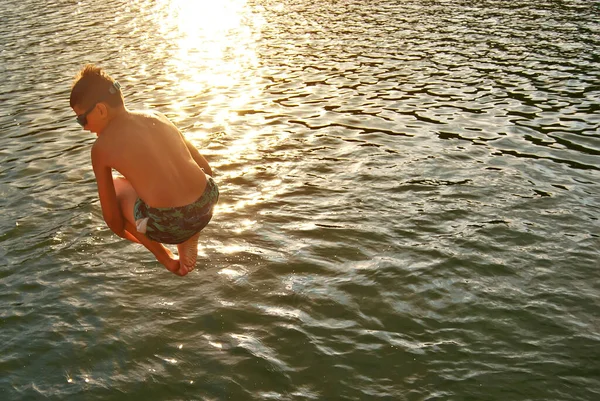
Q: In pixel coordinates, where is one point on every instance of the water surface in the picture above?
(409, 202)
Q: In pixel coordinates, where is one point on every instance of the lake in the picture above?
(409, 210)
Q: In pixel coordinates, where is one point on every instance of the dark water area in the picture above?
(409, 202)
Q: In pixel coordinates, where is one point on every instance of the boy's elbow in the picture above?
(116, 225)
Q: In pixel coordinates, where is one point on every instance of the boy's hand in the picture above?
(179, 270)
(175, 267)
(182, 271)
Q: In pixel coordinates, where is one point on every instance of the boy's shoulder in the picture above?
(147, 113)
(132, 122)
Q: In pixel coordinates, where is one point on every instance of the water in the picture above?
(409, 202)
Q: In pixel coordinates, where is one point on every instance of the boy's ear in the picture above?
(103, 110)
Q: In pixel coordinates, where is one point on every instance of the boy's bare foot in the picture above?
(171, 262)
(188, 254)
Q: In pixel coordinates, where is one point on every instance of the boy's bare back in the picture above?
(147, 149)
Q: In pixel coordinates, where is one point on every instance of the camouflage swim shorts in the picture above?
(174, 225)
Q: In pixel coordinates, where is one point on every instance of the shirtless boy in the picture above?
(166, 194)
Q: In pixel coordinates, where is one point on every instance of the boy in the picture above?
(166, 194)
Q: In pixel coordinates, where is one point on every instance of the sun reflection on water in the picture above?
(210, 75)
(213, 43)
(211, 66)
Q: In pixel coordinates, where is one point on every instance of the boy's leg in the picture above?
(127, 197)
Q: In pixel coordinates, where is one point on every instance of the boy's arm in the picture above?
(106, 192)
(198, 158)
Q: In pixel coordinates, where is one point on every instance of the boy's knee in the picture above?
(120, 184)
(126, 197)
(123, 189)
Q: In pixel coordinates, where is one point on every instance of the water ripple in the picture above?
(409, 202)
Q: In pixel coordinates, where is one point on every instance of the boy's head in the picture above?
(93, 94)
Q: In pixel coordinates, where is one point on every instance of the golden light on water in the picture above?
(205, 15)
(210, 64)
(213, 42)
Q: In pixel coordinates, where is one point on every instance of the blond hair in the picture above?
(92, 84)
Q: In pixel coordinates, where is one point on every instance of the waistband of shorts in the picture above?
(211, 191)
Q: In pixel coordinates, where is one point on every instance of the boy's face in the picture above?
(90, 119)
